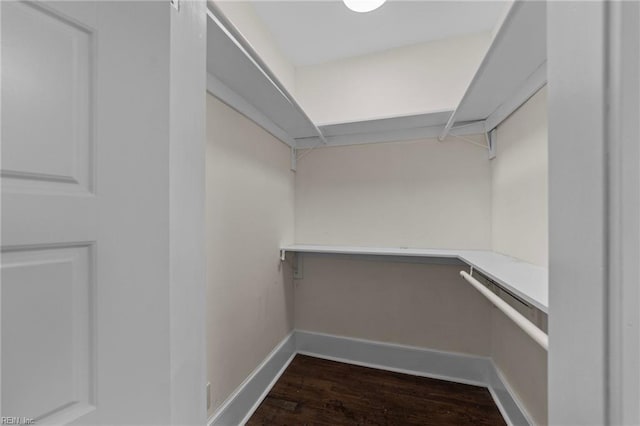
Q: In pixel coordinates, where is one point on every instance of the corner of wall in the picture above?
(519, 183)
(249, 211)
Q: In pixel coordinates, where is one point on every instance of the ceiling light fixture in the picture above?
(363, 5)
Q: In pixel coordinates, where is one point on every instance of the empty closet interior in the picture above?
(377, 193)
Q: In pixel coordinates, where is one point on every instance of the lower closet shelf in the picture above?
(526, 281)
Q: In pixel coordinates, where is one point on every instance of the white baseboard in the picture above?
(388, 356)
(509, 405)
(241, 404)
(467, 369)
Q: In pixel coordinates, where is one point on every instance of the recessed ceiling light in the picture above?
(363, 5)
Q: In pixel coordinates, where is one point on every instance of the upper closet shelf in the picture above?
(401, 128)
(524, 280)
(513, 69)
(239, 77)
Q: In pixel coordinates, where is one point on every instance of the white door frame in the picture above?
(187, 205)
(593, 63)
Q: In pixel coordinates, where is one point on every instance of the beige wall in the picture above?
(250, 194)
(404, 194)
(523, 363)
(412, 304)
(422, 78)
(246, 20)
(520, 229)
(417, 194)
(520, 185)
(421, 305)
(408, 194)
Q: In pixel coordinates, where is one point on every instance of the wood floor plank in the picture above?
(315, 391)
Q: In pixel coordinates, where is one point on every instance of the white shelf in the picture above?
(389, 129)
(513, 69)
(383, 251)
(242, 79)
(527, 281)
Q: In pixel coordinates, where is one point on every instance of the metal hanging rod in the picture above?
(214, 12)
(527, 326)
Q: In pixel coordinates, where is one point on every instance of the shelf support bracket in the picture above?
(492, 139)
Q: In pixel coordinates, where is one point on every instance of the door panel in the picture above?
(47, 352)
(49, 233)
(102, 184)
(46, 101)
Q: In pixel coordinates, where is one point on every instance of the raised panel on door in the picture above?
(46, 100)
(47, 316)
(48, 289)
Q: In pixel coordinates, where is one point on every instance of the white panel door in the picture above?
(82, 221)
(48, 212)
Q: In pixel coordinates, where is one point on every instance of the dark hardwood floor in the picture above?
(314, 391)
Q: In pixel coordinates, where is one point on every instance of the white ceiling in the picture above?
(312, 32)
